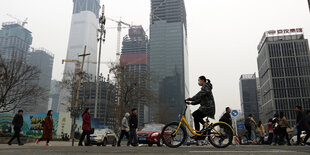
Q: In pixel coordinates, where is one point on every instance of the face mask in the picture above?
(199, 84)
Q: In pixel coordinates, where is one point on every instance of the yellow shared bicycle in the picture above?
(219, 134)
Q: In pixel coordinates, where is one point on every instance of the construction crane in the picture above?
(22, 23)
(119, 30)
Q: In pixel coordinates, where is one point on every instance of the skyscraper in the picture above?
(84, 27)
(134, 58)
(249, 95)
(284, 72)
(43, 61)
(168, 56)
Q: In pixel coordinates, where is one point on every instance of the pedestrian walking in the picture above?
(276, 128)
(261, 132)
(18, 122)
(250, 125)
(47, 128)
(283, 123)
(307, 127)
(124, 129)
(226, 117)
(86, 127)
(270, 131)
(133, 125)
(299, 122)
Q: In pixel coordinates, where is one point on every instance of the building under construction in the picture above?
(135, 59)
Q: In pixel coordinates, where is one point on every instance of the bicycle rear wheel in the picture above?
(221, 135)
(171, 138)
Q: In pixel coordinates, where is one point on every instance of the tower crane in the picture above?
(119, 30)
(23, 23)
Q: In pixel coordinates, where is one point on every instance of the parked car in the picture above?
(150, 134)
(103, 137)
(302, 136)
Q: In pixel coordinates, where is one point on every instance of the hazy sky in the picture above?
(222, 34)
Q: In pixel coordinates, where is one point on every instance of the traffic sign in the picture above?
(234, 113)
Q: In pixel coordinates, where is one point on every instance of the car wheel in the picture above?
(114, 142)
(105, 142)
(150, 145)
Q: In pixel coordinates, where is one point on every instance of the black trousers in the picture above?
(87, 134)
(123, 133)
(283, 133)
(133, 137)
(198, 118)
(248, 128)
(298, 134)
(16, 135)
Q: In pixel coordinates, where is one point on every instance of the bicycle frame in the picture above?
(193, 131)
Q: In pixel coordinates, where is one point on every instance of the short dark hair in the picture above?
(276, 115)
(227, 108)
(203, 78)
(308, 111)
(270, 120)
(250, 115)
(299, 107)
(133, 109)
(20, 111)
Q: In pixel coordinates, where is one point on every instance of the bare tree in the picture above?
(17, 84)
(132, 90)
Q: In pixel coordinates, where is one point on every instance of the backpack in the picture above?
(247, 122)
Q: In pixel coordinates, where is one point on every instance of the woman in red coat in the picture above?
(47, 128)
(86, 127)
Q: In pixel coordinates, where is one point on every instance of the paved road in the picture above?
(58, 148)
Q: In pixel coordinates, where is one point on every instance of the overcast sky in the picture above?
(222, 34)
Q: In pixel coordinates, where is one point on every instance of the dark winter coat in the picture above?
(307, 123)
(300, 119)
(86, 122)
(133, 121)
(205, 98)
(18, 121)
(48, 127)
(226, 118)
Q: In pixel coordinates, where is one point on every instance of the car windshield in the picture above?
(151, 128)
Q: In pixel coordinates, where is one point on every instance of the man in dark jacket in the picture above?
(18, 122)
(299, 122)
(307, 127)
(133, 125)
(226, 117)
(205, 98)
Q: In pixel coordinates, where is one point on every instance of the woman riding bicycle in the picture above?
(205, 98)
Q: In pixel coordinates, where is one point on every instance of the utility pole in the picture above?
(101, 39)
(75, 109)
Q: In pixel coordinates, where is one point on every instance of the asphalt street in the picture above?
(59, 148)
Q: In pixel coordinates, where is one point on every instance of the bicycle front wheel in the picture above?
(220, 135)
(172, 136)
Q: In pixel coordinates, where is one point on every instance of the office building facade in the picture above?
(284, 72)
(168, 56)
(249, 96)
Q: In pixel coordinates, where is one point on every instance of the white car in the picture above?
(103, 137)
(302, 136)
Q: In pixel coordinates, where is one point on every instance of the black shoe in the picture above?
(20, 144)
(9, 143)
(80, 144)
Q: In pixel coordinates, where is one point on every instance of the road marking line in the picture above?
(273, 151)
